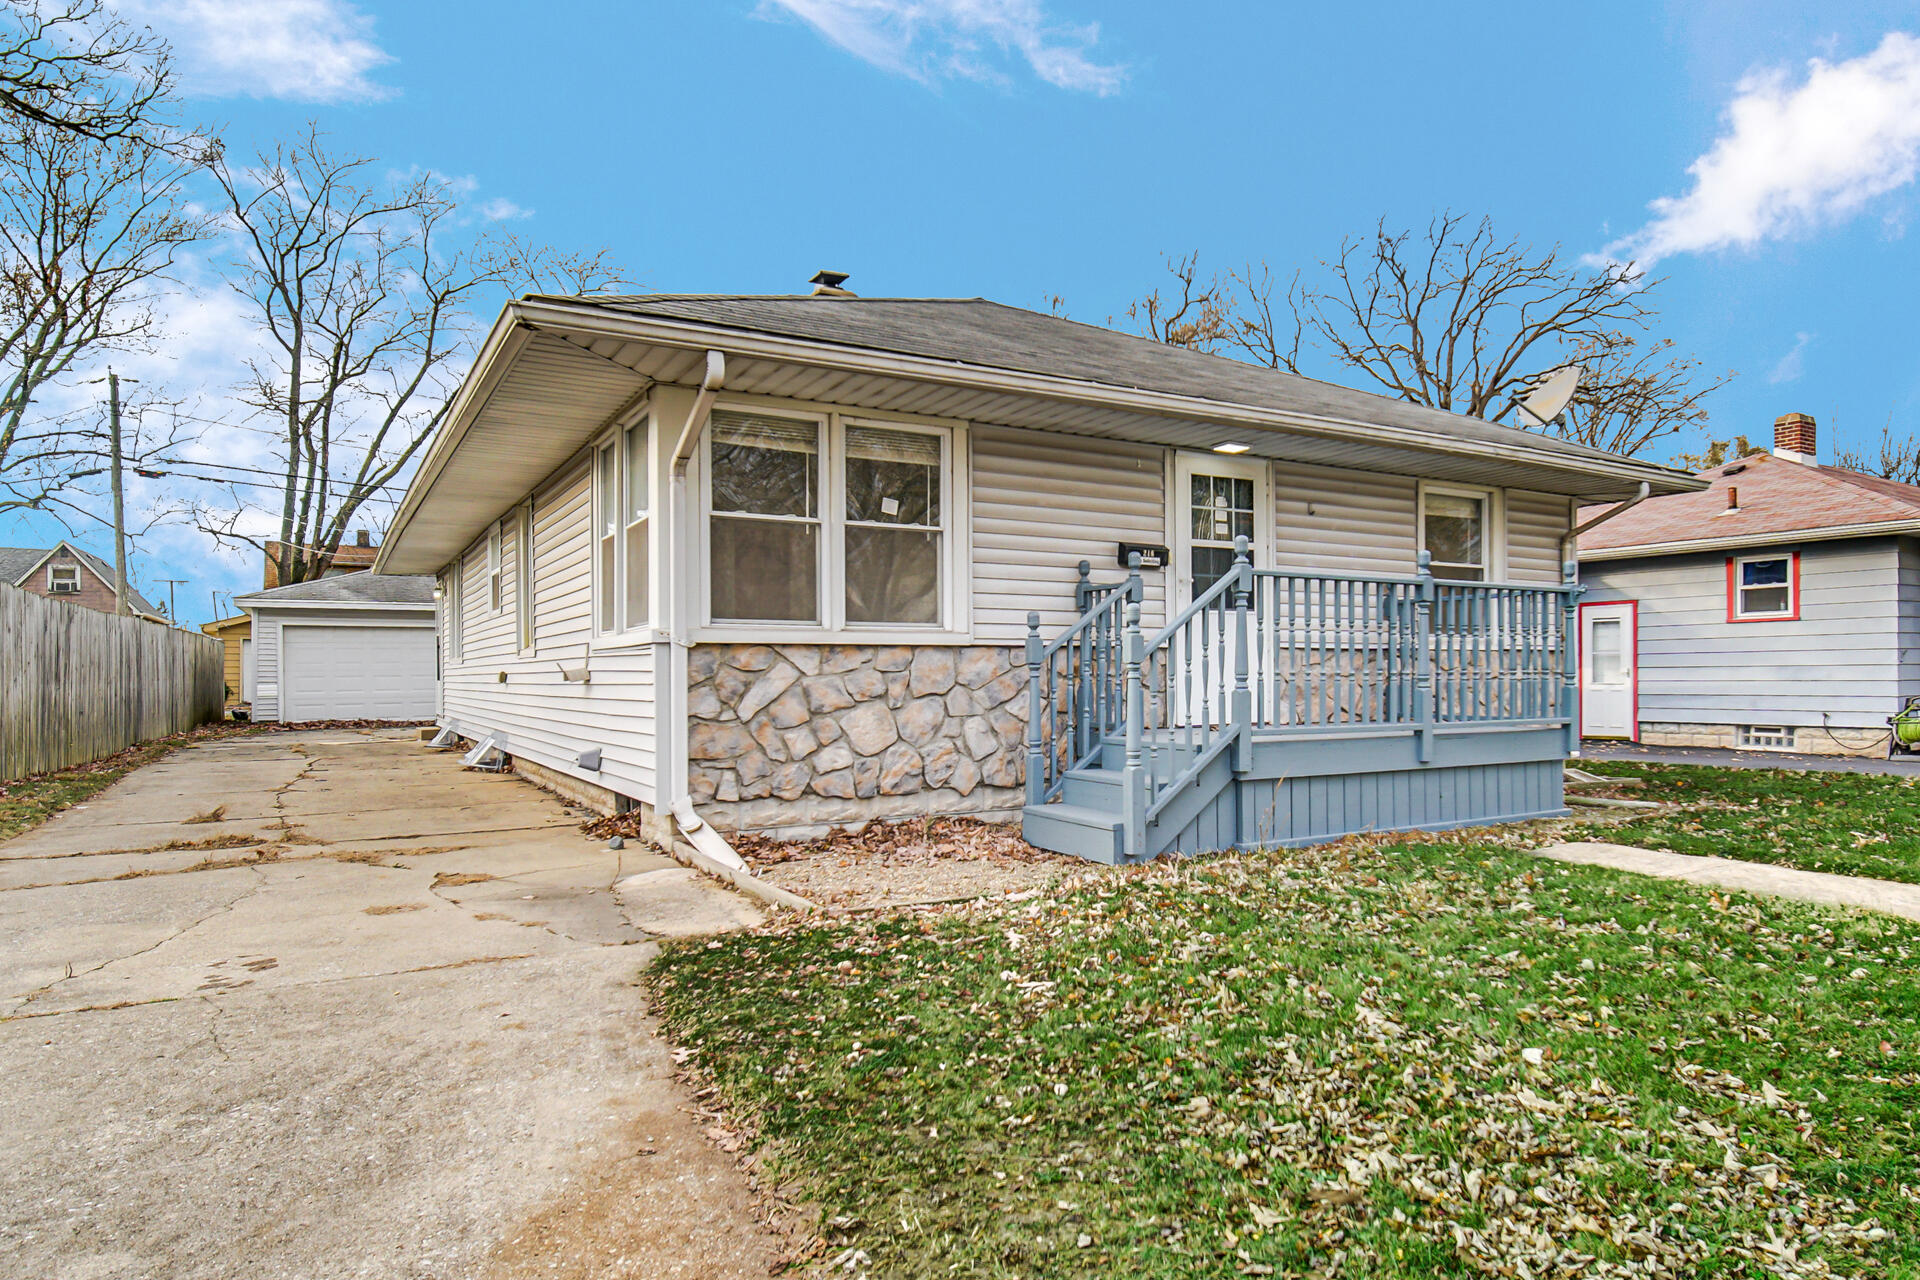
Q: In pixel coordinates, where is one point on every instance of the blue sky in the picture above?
(1019, 149)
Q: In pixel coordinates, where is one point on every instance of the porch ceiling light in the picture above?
(1231, 448)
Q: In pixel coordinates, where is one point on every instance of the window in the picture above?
(496, 593)
(1457, 530)
(1219, 509)
(523, 576)
(829, 522)
(1766, 737)
(1606, 651)
(893, 526)
(450, 606)
(63, 579)
(1763, 588)
(621, 489)
(764, 498)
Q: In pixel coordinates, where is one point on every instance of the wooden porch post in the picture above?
(1423, 662)
(1036, 743)
(1083, 588)
(1133, 780)
(1242, 710)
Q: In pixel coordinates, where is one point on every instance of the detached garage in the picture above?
(359, 646)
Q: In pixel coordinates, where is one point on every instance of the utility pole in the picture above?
(173, 615)
(120, 605)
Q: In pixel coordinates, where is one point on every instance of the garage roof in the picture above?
(348, 589)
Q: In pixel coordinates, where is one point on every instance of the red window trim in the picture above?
(1793, 582)
(1633, 611)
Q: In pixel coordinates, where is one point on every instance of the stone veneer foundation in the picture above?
(793, 737)
(1806, 741)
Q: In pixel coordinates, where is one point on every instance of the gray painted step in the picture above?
(1097, 789)
(1069, 828)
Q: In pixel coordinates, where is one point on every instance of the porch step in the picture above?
(1093, 788)
(1070, 828)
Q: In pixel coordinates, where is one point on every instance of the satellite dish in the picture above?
(1550, 398)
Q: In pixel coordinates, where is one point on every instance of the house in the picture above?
(358, 646)
(349, 557)
(235, 635)
(66, 572)
(1777, 608)
(797, 560)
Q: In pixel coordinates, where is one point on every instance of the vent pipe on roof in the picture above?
(826, 284)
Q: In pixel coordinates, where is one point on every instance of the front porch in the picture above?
(1293, 707)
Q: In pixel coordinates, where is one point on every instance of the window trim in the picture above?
(613, 440)
(956, 530)
(496, 569)
(1792, 611)
(452, 603)
(73, 569)
(1494, 537)
(523, 616)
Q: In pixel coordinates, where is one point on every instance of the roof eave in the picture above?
(1771, 538)
(693, 336)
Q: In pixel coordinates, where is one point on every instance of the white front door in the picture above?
(1609, 652)
(1216, 499)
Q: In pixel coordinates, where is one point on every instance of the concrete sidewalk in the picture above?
(1723, 758)
(325, 1004)
(1888, 896)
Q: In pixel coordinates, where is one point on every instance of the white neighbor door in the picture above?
(1609, 650)
(357, 673)
(1215, 499)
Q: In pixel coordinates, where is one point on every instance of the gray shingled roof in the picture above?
(977, 332)
(16, 561)
(350, 589)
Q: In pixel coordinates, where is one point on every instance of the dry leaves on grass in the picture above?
(919, 840)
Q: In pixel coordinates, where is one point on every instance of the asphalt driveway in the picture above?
(326, 1005)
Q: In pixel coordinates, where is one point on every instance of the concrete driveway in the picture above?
(326, 1005)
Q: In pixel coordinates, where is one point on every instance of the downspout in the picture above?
(1568, 550)
(687, 824)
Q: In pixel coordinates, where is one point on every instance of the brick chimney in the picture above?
(361, 538)
(1793, 438)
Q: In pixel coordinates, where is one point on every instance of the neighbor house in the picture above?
(349, 557)
(235, 635)
(66, 572)
(358, 646)
(1777, 608)
(799, 560)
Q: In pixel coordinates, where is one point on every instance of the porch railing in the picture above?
(1282, 652)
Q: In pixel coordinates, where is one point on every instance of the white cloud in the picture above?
(1794, 156)
(931, 40)
(1793, 364)
(300, 50)
(501, 209)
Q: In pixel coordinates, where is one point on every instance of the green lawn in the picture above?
(1379, 1059)
(1848, 823)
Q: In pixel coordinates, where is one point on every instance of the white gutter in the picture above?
(745, 344)
(1776, 537)
(696, 421)
(1569, 545)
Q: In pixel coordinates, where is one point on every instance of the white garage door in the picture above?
(356, 673)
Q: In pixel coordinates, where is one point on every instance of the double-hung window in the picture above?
(496, 572)
(523, 577)
(63, 579)
(1763, 588)
(829, 522)
(622, 503)
(1457, 531)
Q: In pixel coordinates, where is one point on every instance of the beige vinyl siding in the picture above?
(1342, 521)
(1841, 657)
(1044, 502)
(1536, 522)
(535, 714)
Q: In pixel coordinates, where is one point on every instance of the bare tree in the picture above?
(365, 289)
(1459, 320)
(1898, 458)
(88, 230)
(75, 67)
(1717, 453)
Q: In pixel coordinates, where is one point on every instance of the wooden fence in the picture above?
(77, 684)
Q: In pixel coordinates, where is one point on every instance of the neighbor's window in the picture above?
(621, 490)
(496, 590)
(1763, 587)
(1454, 526)
(63, 579)
(894, 529)
(764, 501)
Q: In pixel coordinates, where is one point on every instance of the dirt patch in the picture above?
(454, 879)
(885, 865)
(395, 909)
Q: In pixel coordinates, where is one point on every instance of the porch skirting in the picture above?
(793, 737)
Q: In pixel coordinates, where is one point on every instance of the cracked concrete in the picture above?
(393, 1043)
